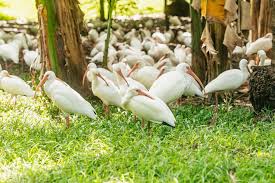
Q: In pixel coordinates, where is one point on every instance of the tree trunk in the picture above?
(101, 10)
(60, 23)
(273, 31)
(166, 15)
(109, 27)
(219, 63)
(261, 18)
(198, 59)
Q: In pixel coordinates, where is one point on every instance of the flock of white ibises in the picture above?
(144, 75)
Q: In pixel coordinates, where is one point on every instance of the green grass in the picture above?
(35, 146)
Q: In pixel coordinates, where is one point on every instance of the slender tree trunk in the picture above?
(107, 41)
(60, 40)
(198, 58)
(219, 63)
(272, 2)
(101, 10)
(166, 15)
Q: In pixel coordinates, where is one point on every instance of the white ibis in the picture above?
(93, 35)
(159, 37)
(104, 89)
(145, 74)
(169, 36)
(263, 58)
(174, 20)
(32, 59)
(230, 79)
(10, 51)
(103, 72)
(184, 38)
(147, 106)
(14, 85)
(123, 82)
(227, 80)
(263, 43)
(172, 85)
(65, 98)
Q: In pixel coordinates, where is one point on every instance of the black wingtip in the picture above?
(164, 123)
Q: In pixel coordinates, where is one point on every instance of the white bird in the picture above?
(159, 50)
(172, 85)
(93, 35)
(263, 58)
(146, 75)
(14, 85)
(65, 98)
(159, 37)
(147, 106)
(174, 20)
(184, 38)
(230, 79)
(263, 43)
(2, 41)
(136, 43)
(32, 59)
(10, 51)
(169, 36)
(180, 53)
(123, 82)
(103, 72)
(104, 89)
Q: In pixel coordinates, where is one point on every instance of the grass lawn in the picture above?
(35, 146)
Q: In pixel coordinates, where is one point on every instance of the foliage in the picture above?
(4, 16)
(35, 146)
(124, 7)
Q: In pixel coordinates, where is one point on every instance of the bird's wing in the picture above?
(168, 87)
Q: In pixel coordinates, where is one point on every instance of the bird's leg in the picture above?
(215, 112)
(178, 101)
(142, 123)
(67, 121)
(22, 65)
(13, 99)
(135, 118)
(33, 77)
(149, 128)
(6, 65)
(106, 109)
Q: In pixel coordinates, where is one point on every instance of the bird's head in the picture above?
(137, 65)
(4, 73)
(117, 69)
(133, 91)
(184, 67)
(244, 65)
(49, 75)
(262, 56)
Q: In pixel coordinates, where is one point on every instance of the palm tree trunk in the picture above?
(198, 58)
(273, 31)
(101, 10)
(60, 24)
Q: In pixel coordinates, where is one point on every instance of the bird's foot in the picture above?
(67, 121)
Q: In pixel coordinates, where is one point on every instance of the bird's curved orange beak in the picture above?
(41, 83)
(141, 92)
(160, 72)
(121, 75)
(100, 76)
(190, 71)
(84, 77)
(133, 69)
(161, 65)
